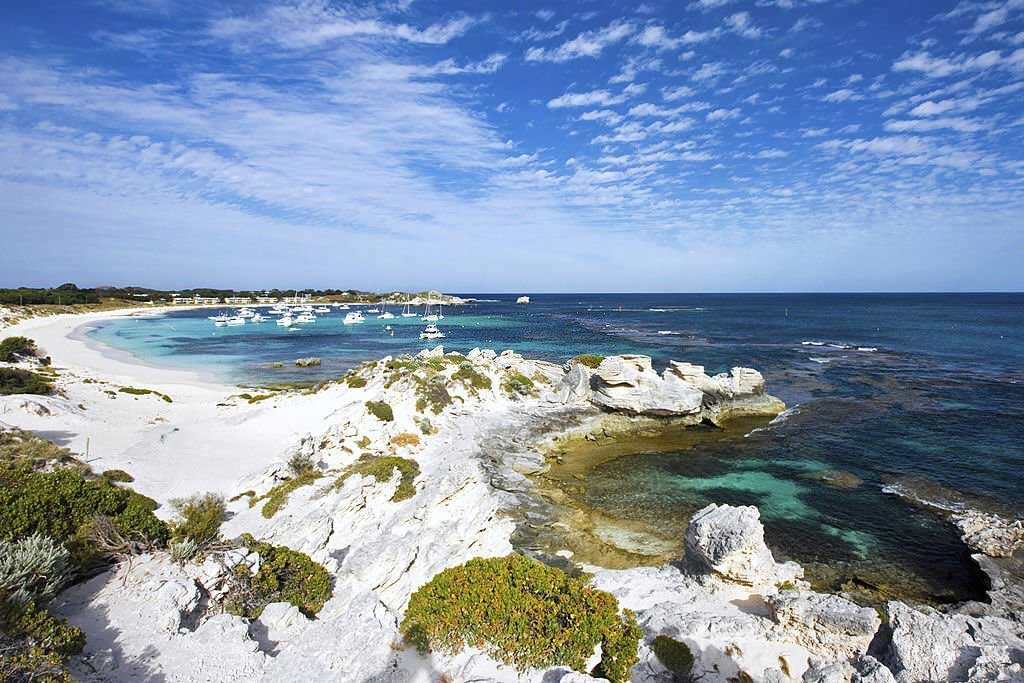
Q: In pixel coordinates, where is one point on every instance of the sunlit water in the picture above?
(888, 388)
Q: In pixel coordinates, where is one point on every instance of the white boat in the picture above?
(429, 317)
(286, 321)
(221, 323)
(386, 315)
(256, 318)
(373, 310)
(343, 307)
(235, 321)
(245, 313)
(431, 332)
(407, 311)
(306, 318)
(523, 300)
(353, 318)
(321, 309)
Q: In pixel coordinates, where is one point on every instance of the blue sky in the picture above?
(687, 145)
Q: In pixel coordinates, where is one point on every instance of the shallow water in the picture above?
(908, 388)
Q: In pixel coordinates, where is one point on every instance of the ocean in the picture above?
(892, 398)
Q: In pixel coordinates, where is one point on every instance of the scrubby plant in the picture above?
(182, 550)
(355, 381)
(34, 644)
(517, 384)
(301, 463)
(16, 381)
(382, 469)
(466, 373)
(63, 504)
(426, 426)
(12, 348)
(18, 446)
(589, 360)
(118, 476)
(277, 497)
(33, 569)
(363, 442)
(380, 410)
(199, 518)
(145, 392)
(674, 656)
(405, 439)
(433, 394)
(523, 613)
(284, 575)
(249, 493)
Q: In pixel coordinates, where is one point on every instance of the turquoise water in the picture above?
(920, 391)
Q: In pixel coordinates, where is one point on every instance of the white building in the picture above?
(238, 300)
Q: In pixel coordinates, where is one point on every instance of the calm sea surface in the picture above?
(913, 394)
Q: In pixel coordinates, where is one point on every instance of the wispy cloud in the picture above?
(586, 44)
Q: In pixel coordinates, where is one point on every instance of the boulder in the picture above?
(307, 362)
(630, 385)
(575, 386)
(829, 626)
(729, 541)
(990, 534)
(928, 645)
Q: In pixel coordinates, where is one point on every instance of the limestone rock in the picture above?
(729, 541)
(307, 362)
(629, 384)
(827, 625)
(575, 386)
(928, 645)
(990, 534)
(870, 670)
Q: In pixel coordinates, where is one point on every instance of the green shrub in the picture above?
(355, 381)
(63, 503)
(13, 347)
(199, 518)
(523, 613)
(284, 575)
(182, 550)
(425, 425)
(301, 463)
(468, 375)
(433, 394)
(517, 384)
(34, 644)
(18, 446)
(118, 476)
(589, 360)
(244, 494)
(673, 655)
(33, 569)
(380, 410)
(382, 469)
(144, 392)
(17, 381)
(277, 497)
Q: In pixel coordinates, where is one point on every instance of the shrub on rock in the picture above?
(199, 518)
(15, 381)
(380, 410)
(285, 575)
(13, 348)
(525, 614)
(119, 476)
(589, 360)
(18, 446)
(382, 469)
(673, 655)
(34, 644)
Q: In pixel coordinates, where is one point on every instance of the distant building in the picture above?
(266, 299)
(299, 299)
(238, 300)
(195, 300)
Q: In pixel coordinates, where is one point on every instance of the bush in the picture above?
(199, 518)
(405, 439)
(433, 394)
(62, 505)
(277, 497)
(35, 644)
(144, 392)
(13, 347)
(475, 379)
(589, 360)
(33, 569)
(119, 476)
(674, 655)
(523, 613)
(16, 381)
(284, 575)
(380, 410)
(355, 381)
(382, 469)
(517, 384)
(18, 446)
(183, 550)
(301, 463)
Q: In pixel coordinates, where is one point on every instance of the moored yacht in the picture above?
(431, 332)
(353, 318)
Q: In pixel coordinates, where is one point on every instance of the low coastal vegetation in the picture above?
(277, 497)
(589, 360)
(16, 381)
(405, 439)
(518, 384)
(382, 469)
(433, 394)
(477, 380)
(13, 349)
(674, 656)
(199, 519)
(21, 447)
(380, 410)
(119, 476)
(522, 613)
(284, 575)
(145, 392)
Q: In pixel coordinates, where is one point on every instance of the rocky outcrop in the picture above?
(827, 625)
(629, 384)
(729, 541)
(928, 645)
(310, 362)
(991, 534)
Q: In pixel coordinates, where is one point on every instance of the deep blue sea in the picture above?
(915, 393)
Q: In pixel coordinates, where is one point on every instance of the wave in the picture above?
(837, 345)
(906, 492)
(776, 421)
(668, 332)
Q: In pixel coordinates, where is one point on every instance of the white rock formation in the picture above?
(990, 534)
(729, 541)
(829, 626)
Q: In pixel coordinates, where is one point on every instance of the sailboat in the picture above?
(407, 311)
(386, 315)
(429, 317)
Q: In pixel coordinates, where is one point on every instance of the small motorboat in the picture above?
(353, 318)
(431, 332)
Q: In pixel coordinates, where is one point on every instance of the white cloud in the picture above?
(586, 44)
(961, 125)
(741, 25)
(708, 72)
(940, 67)
(586, 99)
(842, 95)
(722, 114)
(707, 5)
(787, 53)
(678, 92)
